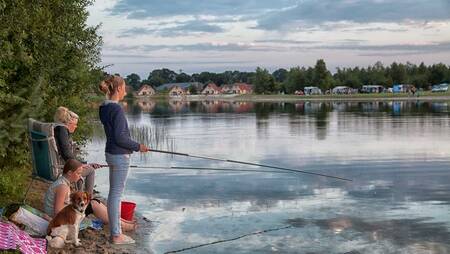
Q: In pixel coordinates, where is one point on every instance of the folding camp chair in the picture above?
(47, 164)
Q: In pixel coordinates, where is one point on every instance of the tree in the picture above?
(322, 77)
(182, 77)
(438, 73)
(295, 79)
(193, 90)
(48, 58)
(161, 76)
(133, 80)
(280, 75)
(398, 73)
(264, 82)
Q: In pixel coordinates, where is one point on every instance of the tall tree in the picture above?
(438, 73)
(264, 82)
(280, 75)
(322, 77)
(295, 80)
(398, 73)
(161, 76)
(48, 58)
(134, 81)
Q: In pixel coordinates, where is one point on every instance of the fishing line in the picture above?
(250, 163)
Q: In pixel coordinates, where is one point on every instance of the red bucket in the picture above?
(127, 210)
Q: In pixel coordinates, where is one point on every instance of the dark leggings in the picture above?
(89, 209)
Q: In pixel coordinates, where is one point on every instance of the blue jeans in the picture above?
(87, 182)
(118, 172)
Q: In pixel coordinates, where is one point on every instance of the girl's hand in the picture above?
(95, 165)
(143, 148)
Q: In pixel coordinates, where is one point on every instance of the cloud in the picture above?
(137, 9)
(180, 28)
(309, 13)
(285, 46)
(165, 63)
(274, 15)
(393, 49)
(280, 41)
(196, 47)
(184, 28)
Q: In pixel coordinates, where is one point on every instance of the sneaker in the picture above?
(125, 240)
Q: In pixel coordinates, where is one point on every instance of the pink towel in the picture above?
(11, 237)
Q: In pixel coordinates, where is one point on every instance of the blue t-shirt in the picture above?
(118, 139)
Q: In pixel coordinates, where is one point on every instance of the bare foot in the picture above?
(129, 226)
(122, 239)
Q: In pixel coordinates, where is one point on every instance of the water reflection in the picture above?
(263, 109)
(397, 153)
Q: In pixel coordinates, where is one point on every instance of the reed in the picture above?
(155, 136)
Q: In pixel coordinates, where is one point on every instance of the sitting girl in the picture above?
(57, 196)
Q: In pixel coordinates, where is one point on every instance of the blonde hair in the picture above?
(110, 85)
(64, 115)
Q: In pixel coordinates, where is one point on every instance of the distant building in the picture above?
(185, 86)
(242, 88)
(177, 91)
(211, 89)
(226, 89)
(146, 90)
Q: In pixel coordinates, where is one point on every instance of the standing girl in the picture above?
(119, 146)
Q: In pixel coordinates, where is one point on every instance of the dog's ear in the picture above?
(72, 196)
(88, 195)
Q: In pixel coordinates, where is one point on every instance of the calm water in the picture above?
(397, 153)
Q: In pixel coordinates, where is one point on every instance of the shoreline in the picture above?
(95, 241)
(297, 98)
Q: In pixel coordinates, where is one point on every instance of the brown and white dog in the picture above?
(64, 227)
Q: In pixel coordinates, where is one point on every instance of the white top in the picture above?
(49, 199)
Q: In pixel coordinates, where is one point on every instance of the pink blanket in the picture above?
(11, 237)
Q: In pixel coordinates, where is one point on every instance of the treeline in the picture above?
(296, 78)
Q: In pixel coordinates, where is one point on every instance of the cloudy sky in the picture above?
(219, 35)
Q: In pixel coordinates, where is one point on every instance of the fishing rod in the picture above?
(249, 163)
(212, 169)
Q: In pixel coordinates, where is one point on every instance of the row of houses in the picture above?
(183, 89)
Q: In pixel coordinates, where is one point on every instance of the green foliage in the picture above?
(280, 75)
(134, 81)
(322, 77)
(193, 90)
(12, 184)
(398, 73)
(263, 83)
(161, 76)
(295, 80)
(48, 58)
(182, 77)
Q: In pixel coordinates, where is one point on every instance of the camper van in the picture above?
(312, 90)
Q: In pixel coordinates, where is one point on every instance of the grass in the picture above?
(13, 185)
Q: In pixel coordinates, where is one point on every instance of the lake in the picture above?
(397, 154)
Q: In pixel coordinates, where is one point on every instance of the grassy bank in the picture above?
(13, 185)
